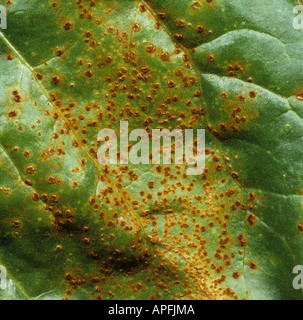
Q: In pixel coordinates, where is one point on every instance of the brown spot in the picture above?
(180, 23)
(59, 52)
(30, 169)
(300, 227)
(300, 96)
(165, 56)
(68, 276)
(16, 95)
(235, 175)
(161, 15)
(151, 48)
(74, 184)
(36, 197)
(252, 94)
(200, 29)
(16, 224)
(171, 84)
(89, 73)
(86, 241)
(44, 197)
(28, 182)
(252, 196)
(251, 219)
(219, 167)
(178, 36)
(211, 58)
(151, 184)
(142, 8)
(136, 27)
(12, 114)
(67, 25)
(55, 79)
(51, 180)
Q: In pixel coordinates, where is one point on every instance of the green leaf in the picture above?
(72, 228)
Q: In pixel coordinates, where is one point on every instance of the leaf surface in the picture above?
(72, 228)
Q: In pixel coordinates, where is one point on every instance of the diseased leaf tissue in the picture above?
(71, 228)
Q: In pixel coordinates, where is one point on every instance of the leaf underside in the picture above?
(71, 228)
